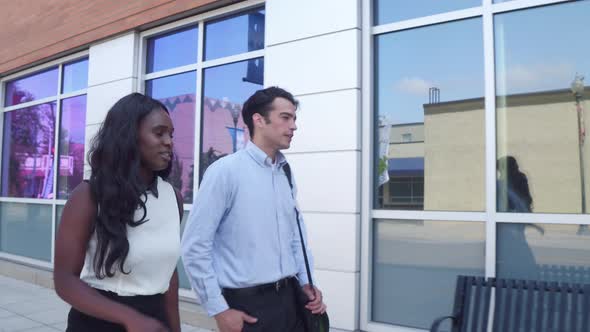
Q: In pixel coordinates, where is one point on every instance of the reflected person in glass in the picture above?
(119, 237)
(516, 259)
(241, 248)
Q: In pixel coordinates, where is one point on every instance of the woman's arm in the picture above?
(70, 249)
(171, 301)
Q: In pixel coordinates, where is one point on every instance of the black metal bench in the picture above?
(519, 306)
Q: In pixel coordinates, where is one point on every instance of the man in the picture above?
(241, 248)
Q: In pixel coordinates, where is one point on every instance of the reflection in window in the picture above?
(30, 88)
(415, 266)
(75, 76)
(429, 99)
(387, 11)
(27, 152)
(177, 92)
(550, 252)
(71, 145)
(226, 88)
(25, 230)
(182, 278)
(542, 151)
(173, 49)
(234, 35)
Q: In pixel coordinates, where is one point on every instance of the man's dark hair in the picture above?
(260, 102)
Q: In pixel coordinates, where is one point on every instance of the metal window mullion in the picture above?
(2, 87)
(366, 128)
(522, 4)
(198, 108)
(234, 58)
(26, 200)
(169, 72)
(47, 65)
(30, 104)
(428, 20)
(543, 218)
(490, 138)
(56, 156)
(430, 215)
(73, 94)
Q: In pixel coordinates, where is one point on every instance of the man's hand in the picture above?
(316, 302)
(233, 320)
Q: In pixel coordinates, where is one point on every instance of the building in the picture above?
(435, 138)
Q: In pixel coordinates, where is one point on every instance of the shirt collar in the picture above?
(261, 158)
(153, 187)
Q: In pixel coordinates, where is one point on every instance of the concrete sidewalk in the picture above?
(32, 308)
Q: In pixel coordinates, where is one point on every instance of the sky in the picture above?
(535, 50)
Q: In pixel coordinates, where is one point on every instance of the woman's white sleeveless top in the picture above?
(154, 249)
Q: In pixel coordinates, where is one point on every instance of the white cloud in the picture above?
(535, 77)
(413, 85)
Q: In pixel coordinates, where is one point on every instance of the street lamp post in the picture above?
(235, 115)
(577, 88)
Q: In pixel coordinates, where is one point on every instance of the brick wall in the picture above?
(33, 30)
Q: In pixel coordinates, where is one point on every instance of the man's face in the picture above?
(278, 128)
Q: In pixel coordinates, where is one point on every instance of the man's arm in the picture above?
(209, 207)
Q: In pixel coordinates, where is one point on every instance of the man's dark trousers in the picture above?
(274, 304)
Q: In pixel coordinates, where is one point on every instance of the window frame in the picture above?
(57, 98)
(198, 67)
(487, 10)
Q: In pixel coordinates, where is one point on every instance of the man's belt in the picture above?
(258, 289)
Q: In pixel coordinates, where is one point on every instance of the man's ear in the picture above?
(258, 120)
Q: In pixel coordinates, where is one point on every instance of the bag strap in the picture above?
(287, 170)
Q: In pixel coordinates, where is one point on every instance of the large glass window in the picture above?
(205, 97)
(542, 156)
(44, 118)
(415, 266)
(474, 119)
(429, 97)
(25, 230)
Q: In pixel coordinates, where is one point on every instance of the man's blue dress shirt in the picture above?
(242, 230)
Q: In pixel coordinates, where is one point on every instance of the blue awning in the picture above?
(406, 166)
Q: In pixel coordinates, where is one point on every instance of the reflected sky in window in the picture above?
(34, 87)
(408, 63)
(388, 11)
(541, 48)
(75, 76)
(173, 49)
(234, 35)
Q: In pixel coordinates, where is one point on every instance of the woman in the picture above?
(119, 237)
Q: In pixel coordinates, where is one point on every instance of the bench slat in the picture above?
(507, 304)
(528, 319)
(540, 306)
(563, 308)
(479, 284)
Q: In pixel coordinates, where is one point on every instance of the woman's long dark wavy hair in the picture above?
(115, 181)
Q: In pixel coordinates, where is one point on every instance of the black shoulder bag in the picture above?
(313, 322)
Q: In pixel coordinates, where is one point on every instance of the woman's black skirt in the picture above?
(150, 305)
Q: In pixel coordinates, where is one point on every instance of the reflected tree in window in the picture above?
(28, 151)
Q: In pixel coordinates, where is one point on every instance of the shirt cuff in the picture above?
(216, 305)
(302, 277)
